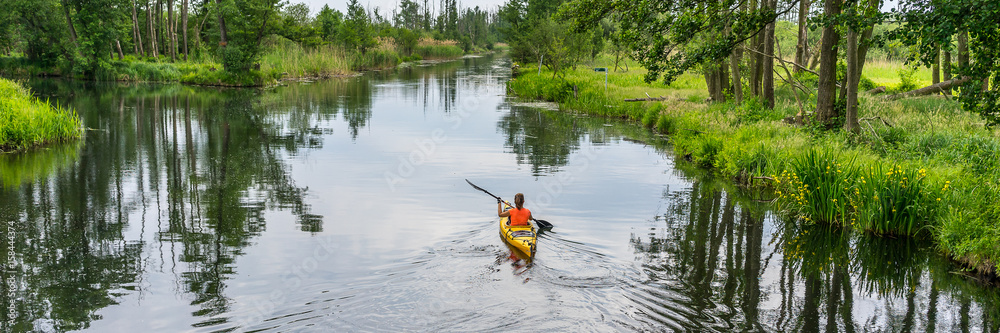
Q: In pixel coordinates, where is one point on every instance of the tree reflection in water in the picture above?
(807, 277)
(202, 164)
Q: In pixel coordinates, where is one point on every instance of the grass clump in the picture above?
(438, 49)
(26, 122)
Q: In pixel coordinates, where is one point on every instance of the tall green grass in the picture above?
(287, 59)
(26, 121)
(442, 51)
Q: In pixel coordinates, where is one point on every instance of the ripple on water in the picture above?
(470, 283)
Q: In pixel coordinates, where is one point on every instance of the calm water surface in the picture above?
(341, 205)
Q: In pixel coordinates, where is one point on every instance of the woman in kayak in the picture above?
(518, 215)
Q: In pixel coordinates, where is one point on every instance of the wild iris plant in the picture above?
(893, 200)
(816, 187)
(878, 198)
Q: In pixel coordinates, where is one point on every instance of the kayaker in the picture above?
(518, 215)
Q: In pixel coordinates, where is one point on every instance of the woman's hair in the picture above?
(519, 200)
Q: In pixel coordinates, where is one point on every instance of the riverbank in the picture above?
(284, 59)
(921, 167)
(26, 121)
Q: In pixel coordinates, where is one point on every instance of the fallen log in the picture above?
(647, 99)
(939, 87)
(877, 90)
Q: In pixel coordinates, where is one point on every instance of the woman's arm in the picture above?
(500, 211)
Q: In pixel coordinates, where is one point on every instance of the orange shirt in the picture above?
(519, 216)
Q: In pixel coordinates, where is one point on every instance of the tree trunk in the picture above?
(118, 46)
(755, 58)
(827, 85)
(936, 67)
(963, 49)
(767, 68)
(136, 32)
(857, 50)
(69, 23)
(222, 26)
(946, 66)
(159, 27)
(815, 56)
(734, 64)
(851, 121)
(172, 30)
(802, 47)
(184, 26)
(152, 31)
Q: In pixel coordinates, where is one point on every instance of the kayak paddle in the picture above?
(542, 224)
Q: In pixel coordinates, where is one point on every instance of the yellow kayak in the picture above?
(519, 237)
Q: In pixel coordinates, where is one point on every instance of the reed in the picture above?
(288, 59)
(26, 121)
(438, 51)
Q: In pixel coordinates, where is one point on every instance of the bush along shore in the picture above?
(26, 121)
(284, 59)
(921, 167)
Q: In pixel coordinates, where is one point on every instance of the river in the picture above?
(341, 205)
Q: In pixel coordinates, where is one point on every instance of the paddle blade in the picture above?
(543, 224)
(482, 189)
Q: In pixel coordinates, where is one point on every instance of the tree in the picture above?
(328, 21)
(356, 30)
(826, 90)
(672, 37)
(249, 21)
(927, 24)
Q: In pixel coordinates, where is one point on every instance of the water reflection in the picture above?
(750, 271)
(194, 169)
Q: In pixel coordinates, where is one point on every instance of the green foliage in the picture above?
(926, 25)
(406, 40)
(670, 39)
(356, 31)
(248, 22)
(906, 81)
(26, 122)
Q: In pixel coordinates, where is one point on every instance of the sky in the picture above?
(388, 5)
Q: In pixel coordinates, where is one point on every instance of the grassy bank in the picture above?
(929, 170)
(26, 122)
(282, 59)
